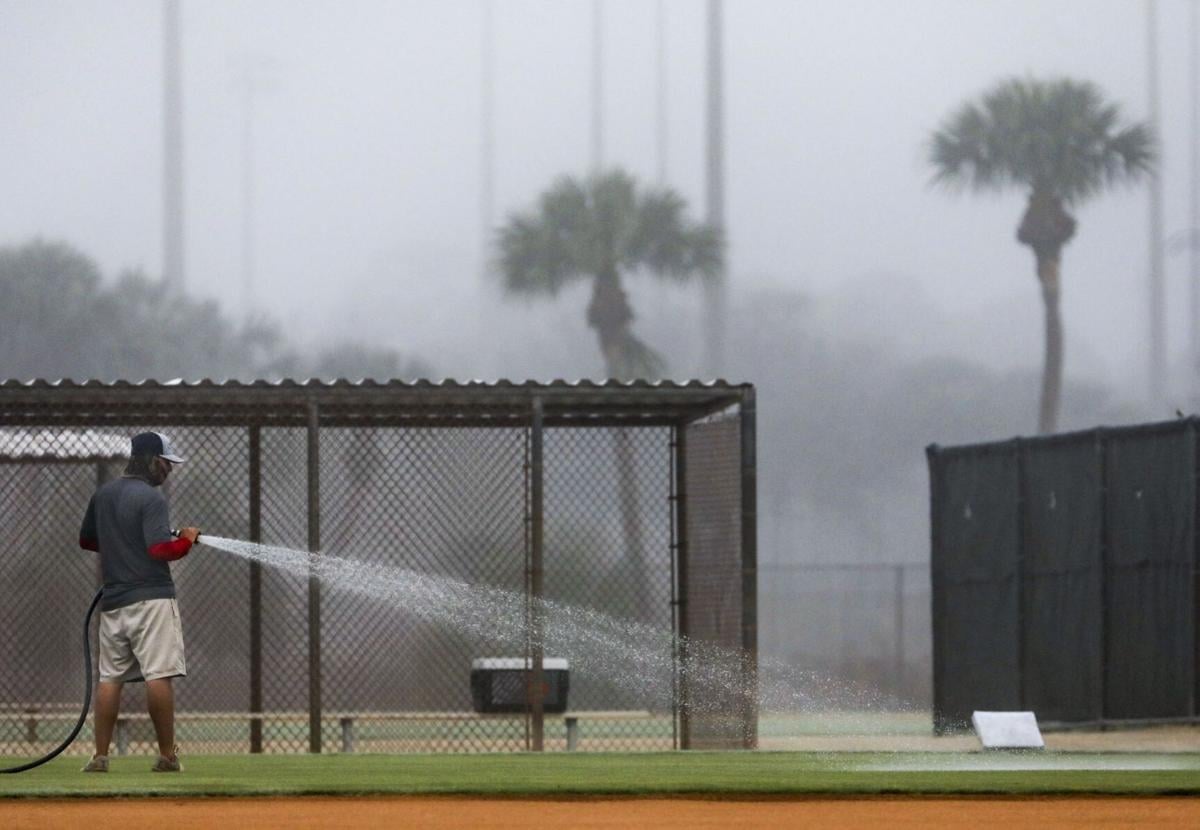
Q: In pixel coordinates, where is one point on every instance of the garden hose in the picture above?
(87, 693)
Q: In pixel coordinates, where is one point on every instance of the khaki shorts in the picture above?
(142, 641)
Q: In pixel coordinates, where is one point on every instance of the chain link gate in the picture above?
(434, 479)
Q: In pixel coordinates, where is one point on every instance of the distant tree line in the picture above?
(59, 318)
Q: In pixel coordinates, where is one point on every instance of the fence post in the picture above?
(933, 459)
(680, 588)
(256, 702)
(1022, 545)
(1102, 448)
(749, 545)
(536, 687)
(899, 625)
(314, 585)
(1195, 569)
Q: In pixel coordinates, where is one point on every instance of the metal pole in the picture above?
(314, 585)
(173, 267)
(899, 632)
(1195, 535)
(1105, 592)
(1157, 369)
(672, 498)
(660, 110)
(487, 160)
(536, 674)
(749, 545)
(937, 599)
(256, 695)
(683, 702)
(1022, 537)
(597, 85)
(714, 169)
(248, 259)
(1194, 212)
(528, 570)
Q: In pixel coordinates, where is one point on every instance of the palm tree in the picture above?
(1063, 143)
(597, 229)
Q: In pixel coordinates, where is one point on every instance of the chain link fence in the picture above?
(863, 626)
(423, 479)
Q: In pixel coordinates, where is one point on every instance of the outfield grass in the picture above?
(637, 774)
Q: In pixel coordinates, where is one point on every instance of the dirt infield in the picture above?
(600, 813)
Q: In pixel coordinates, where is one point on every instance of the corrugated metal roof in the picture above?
(445, 383)
(346, 402)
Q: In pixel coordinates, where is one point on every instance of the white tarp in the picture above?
(57, 444)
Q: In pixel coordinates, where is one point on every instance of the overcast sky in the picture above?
(367, 135)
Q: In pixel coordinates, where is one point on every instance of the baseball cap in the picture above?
(154, 443)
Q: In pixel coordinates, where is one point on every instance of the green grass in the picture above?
(771, 725)
(634, 774)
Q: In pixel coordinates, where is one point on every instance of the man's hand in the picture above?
(189, 533)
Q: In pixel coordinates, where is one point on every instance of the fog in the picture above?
(367, 198)
(367, 137)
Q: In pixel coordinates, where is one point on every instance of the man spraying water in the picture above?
(141, 637)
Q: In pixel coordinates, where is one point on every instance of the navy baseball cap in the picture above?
(154, 443)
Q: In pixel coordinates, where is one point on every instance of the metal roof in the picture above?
(366, 402)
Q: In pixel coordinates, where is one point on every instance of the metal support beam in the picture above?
(749, 544)
(680, 559)
(256, 695)
(1101, 443)
(1023, 535)
(1195, 545)
(314, 585)
(537, 683)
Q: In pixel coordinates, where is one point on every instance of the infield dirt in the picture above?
(667, 814)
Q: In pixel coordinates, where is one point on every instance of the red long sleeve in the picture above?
(170, 551)
(88, 544)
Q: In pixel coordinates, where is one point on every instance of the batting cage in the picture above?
(617, 518)
(1065, 572)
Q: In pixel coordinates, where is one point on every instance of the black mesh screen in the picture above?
(1064, 575)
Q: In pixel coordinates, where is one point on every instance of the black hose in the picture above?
(87, 693)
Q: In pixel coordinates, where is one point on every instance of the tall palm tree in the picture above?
(1062, 142)
(597, 229)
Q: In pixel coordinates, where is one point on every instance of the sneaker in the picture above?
(99, 763)
(165, 764)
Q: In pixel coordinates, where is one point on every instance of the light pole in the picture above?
(487, 141)
(714, 168)
(660, 111)
(1194, 204)
(597, 160)
(251, 79)
(172, 194)
(1157, 298)
(247, 185)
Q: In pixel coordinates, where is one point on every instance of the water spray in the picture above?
(599, 643)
